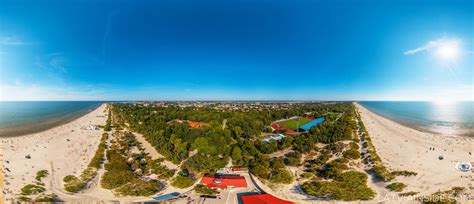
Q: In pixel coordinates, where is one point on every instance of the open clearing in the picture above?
(295, 123)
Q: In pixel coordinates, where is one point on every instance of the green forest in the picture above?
(234, 134)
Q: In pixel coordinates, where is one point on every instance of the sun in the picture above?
(448, 50)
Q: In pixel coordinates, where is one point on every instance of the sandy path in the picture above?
(67, 148)
(152, 151)
(404, 148)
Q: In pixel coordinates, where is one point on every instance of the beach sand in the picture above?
(63, 150)
(404, 148)
(2, 197)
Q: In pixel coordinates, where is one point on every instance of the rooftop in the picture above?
(224, 181)
(263, 199)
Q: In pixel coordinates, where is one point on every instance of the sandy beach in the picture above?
(2, 197)
(63, 150)
(404, 148)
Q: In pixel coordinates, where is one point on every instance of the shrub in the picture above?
(23, 199)
(348, 186)
(182, 181)
(383, 173)
(74, 184)
(281, 176)
(445, 197)
(46, 198)
(69, 178)
(108, 126)
(410, 193)
(306, 175)
(162, 171)
(397, 187)
(203, 190)
(31, 189)
(293, 159)
(41, 174)
(260, 171)
(117, 173)
(404, 173)
(98, 158)
(138, 187)
(351, 154)
(334, 168)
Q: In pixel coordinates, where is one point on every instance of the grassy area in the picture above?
(294, 124)
(182, 181)
(203, 190)
(397, 187)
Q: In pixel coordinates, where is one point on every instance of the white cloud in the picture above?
(34, 92)
(54, 62)
(434, 45)
(11, 40)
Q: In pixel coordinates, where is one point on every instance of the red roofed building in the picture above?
(263, 199)
(223, 182)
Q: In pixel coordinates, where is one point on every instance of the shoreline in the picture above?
(404, 148)
(62, 150)
(18, 132)
(461, 132)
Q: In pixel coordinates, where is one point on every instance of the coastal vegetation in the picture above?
(98, 158)
(409, 193)
(404, 173)
(75, 184)
(380, 170)
(203, 190)
(108, 122)
(41, 174)
(235, 134)
(33, 189)
(162, 171)
(335, 178)
(397, 186)
(442, 197)
(183, 181)
(347, 186)
(46, 198)
(123, 175)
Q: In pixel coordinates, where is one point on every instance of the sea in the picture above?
(26, 117)
(447, 118)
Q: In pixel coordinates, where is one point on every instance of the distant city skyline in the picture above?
(237, 50)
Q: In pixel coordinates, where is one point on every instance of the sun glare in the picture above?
(444, 101)
(448, 50)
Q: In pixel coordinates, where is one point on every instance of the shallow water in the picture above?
(454, 118)
(31, 116)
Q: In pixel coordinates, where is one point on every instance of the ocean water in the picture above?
(20, 117)
(453, 118)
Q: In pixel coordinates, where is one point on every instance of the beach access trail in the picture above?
(404, 148)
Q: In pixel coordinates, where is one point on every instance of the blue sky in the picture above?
(248, 50)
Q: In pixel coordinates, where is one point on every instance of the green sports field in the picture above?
(293, 124)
